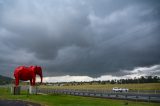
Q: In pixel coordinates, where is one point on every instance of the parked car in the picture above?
(116, 89)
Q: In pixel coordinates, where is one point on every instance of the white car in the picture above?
(116, 89)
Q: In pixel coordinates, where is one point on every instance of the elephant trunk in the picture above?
(41, 78)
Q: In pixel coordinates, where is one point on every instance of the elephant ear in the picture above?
(32, 68)
(38, 67)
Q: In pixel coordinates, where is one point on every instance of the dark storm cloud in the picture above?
(85, 37)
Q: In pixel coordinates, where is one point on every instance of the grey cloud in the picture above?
(79, 37)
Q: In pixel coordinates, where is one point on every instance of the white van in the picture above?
(116, 89)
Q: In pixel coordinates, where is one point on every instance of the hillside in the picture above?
(5, 80)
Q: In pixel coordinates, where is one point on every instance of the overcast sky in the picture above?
(91, 38)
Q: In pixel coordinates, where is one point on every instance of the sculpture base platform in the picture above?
(15, 90)
(32, 89)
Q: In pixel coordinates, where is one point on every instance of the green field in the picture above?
(144, 86)
(67, 100)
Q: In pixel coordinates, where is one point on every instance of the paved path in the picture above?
(17, 103)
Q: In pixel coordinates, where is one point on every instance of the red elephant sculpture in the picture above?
(27, 73)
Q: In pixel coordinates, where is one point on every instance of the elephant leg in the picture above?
(34, 80)
(16, 80)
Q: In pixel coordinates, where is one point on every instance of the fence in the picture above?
(138, 96)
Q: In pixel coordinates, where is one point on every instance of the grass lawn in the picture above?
(144, 86)
(67, 100)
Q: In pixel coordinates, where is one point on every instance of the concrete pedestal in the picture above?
(32, 89)
(15, 90)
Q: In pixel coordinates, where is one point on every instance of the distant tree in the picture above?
(103, 82)
(112, 82)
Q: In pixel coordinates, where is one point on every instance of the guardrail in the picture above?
(103, 94)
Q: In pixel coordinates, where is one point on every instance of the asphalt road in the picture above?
(17, 103)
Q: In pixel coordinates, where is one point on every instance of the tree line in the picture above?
(5, 80)
(142, 79)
